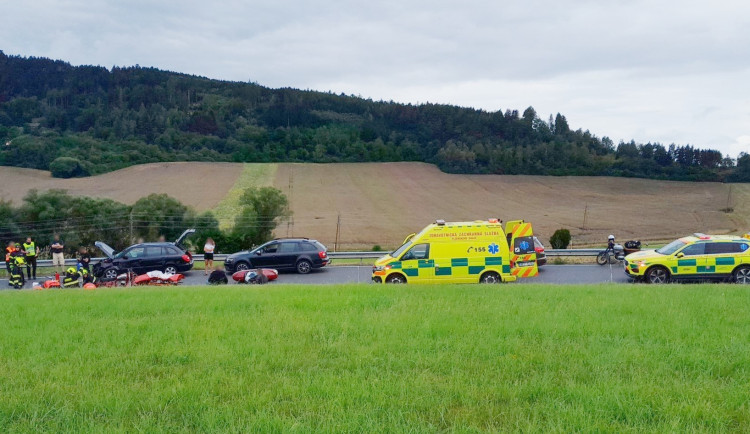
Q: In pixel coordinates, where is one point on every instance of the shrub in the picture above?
(67, 167)
(377, 248)
(560, 239)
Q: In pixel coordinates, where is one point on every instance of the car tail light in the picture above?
(539, 249)
(322, 255)
(186, 258)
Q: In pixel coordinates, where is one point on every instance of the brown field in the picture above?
(381, 203)
(200, 185)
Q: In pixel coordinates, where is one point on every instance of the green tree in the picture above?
(158, 215)
(67, 167)
(262, 210)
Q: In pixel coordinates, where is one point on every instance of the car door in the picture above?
(417, 265)
(691, 261)
(721, 256)
(131, 259)
(153, 258)
(288, 253)
(267, 256)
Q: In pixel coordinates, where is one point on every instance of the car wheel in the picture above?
(242, 266)
(396, 278)
(304, 266)
(742, 275)
(490, 277)
(657, 275)
(110, 274)
(170, 269)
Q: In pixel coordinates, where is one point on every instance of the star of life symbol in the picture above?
(493, 248)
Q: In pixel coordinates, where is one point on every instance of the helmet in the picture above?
(611, 237)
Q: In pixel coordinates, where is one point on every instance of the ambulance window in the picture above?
(719, 248)
(523, 245)
(420, 251)
(694, 249)
(401, 249)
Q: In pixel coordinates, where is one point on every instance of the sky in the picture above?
(674, 71)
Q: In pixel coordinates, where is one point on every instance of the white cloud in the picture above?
(666, 71)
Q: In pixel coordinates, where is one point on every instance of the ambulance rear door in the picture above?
(522, 253)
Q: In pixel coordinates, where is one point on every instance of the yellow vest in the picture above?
(30, 248)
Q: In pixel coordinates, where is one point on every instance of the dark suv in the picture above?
(144, 257)
(299, 254)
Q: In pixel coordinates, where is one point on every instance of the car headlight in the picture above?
(378, 268)
(229, 260)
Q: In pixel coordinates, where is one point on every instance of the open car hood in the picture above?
(109, 251)
(184, 235)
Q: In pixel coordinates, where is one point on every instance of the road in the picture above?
(559, 274)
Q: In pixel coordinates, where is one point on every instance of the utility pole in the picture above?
(130, 218)
(585, 214)
(338, 229)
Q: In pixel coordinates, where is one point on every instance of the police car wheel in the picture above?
(110, 274)
(657, 275)
(742, 275)
(395, 278)
(490, 277)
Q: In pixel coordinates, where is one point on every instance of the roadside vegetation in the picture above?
(377, 359)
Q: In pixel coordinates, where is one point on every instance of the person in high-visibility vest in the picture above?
(29, 247)
(8, 251)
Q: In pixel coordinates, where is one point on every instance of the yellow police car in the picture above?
(721, 257)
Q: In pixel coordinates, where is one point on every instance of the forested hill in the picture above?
(85, 120)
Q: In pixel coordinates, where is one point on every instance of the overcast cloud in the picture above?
(666, 71)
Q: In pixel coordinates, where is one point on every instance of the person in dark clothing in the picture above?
(84, 259)
(218, 277)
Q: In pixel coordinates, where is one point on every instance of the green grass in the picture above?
(253, 175)
(380, 359)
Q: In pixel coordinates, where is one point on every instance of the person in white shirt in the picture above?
(208, 254)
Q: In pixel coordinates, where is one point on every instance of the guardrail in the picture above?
(349, 255)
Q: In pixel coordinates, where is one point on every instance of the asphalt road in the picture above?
(559, 274)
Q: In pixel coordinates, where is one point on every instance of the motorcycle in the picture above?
(618, 252)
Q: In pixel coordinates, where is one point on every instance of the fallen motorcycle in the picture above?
(255, 276)
(158, 278)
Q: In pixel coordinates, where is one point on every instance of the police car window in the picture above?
(420, 251)
(694, 249)
(719, 248)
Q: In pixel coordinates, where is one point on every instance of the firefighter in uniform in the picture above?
(29, 247)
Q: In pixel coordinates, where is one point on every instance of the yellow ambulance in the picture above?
(462, 252)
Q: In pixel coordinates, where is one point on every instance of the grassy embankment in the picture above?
(253, 175)
(366, 358)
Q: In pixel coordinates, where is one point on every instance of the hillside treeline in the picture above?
(81, 221)
(77, 121)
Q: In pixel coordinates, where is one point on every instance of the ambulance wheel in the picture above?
(490, 277)
(657, 275)
(395, 278)
(742, 275)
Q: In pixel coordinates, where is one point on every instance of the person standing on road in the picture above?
(208, 255)
(58, 258)
(29, 247)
